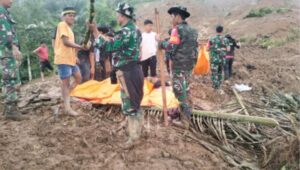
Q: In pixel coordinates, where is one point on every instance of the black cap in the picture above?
(179, 10)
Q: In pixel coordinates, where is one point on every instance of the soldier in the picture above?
(126, 48)
(9, 57)
(217, 48)
(183, 49)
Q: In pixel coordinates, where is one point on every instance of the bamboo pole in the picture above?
(161, 67)
(91, 18)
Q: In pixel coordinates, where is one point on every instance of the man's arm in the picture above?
(36, 50)
(6, 33)
(171, 45)
(8, 38)
(70, 44)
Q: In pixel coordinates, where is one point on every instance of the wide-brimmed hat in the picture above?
(179, 10)
(125, 9)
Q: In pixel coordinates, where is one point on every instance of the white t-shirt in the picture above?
(149, 45)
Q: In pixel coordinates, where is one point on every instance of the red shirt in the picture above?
(42, 52)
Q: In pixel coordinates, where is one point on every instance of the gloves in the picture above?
(113, 77)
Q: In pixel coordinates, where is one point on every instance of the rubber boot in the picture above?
(134, 130)
(139, 120)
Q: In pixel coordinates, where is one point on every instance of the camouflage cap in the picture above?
(179, 10)
(125, 9)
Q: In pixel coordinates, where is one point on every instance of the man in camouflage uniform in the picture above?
(9, 58)
(125, 47)
(182, 46)
(217, 48)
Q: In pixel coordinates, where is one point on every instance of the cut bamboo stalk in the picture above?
(91, 18)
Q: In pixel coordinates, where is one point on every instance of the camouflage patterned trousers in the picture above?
(10, 81)
(132, 84)
(181, 90)
(216, 74)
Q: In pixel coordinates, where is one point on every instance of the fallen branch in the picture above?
(238, 118)
(226, 116)
(240, 101)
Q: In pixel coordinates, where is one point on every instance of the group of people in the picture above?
(126, 56)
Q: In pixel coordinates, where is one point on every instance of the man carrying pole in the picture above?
(183, 49)
(126, 49)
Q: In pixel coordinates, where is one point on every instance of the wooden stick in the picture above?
(161, 67)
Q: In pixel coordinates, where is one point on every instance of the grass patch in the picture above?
(283, 10)
(268, 42)
(259, 12)
(265, 11)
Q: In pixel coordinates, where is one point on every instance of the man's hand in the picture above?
(158, 37)
(92, 26)
(16, 53)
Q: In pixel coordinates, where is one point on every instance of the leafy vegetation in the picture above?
(259, 12)
(37, 19)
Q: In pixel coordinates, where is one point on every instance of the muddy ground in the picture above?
(47, 141)
(51, 141)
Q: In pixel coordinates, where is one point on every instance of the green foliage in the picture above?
(293, 35)
(269, 42)
(259, 12)
(265, 11)
(283, 10)
(37, 19)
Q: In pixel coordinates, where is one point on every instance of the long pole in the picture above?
(91, 18)
(161, 67)
(29, 68)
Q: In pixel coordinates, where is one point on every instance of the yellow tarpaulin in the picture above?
(106, 93)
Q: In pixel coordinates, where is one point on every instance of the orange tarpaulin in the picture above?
(105, 93)
(202, 66)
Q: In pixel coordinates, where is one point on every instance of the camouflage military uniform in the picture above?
(183, 49)
(217, 47)
(125, 49)
(8, 64)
